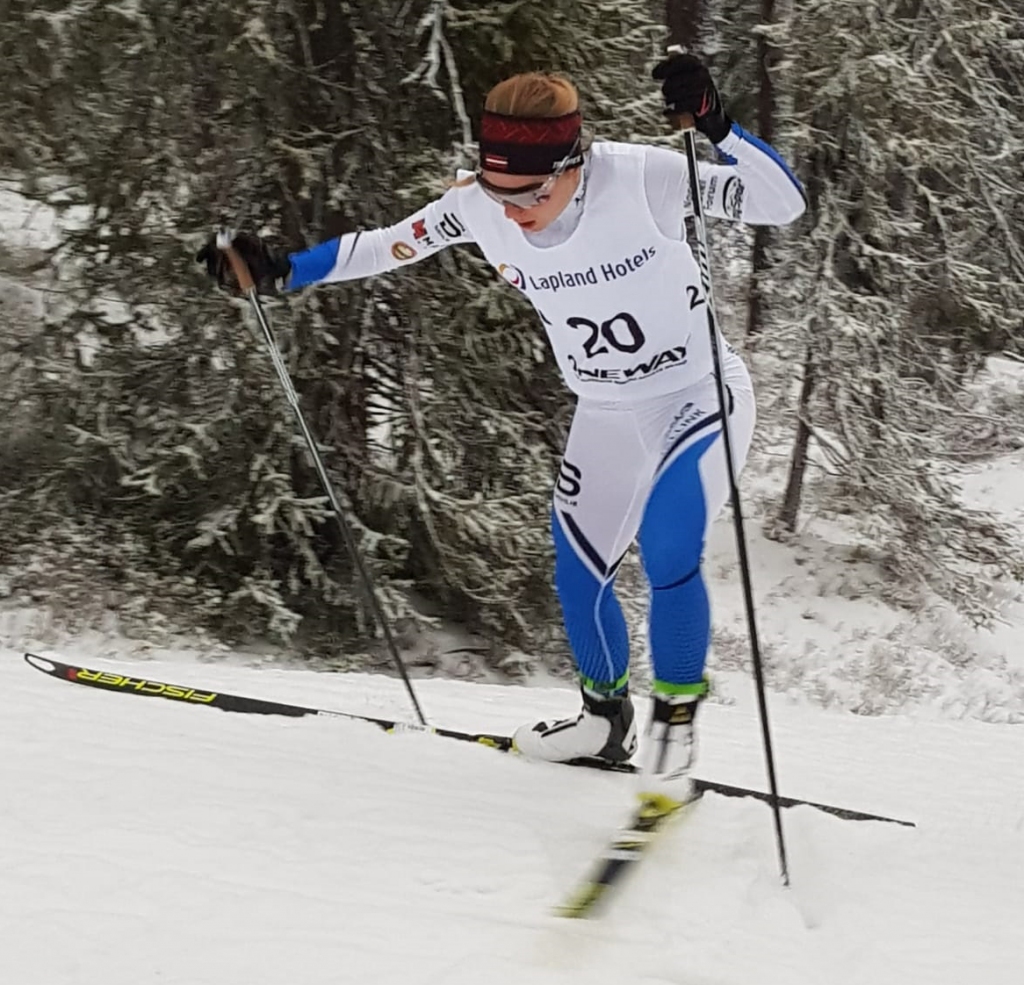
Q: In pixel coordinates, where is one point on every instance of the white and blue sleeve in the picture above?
(753, 185)
(363, 254)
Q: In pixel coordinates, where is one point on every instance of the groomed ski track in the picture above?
(144, 841)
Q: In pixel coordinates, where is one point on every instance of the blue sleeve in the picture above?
(313, 265)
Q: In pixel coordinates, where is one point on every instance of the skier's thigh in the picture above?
(602, 483)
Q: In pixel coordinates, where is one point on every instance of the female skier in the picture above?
(593, 235)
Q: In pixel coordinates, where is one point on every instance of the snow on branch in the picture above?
(439, 50)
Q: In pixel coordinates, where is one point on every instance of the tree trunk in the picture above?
(790, 509)
(766, 128)
(684, 19)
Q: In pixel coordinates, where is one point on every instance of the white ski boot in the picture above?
(669, 750)
(605, 729)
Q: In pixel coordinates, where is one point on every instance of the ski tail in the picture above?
(846, 813)
(110, 681)
(134, 684)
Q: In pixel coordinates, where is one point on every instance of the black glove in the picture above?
(266, 266)
(688, 88)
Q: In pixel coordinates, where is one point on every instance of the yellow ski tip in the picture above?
(654, 803)
(581, 904)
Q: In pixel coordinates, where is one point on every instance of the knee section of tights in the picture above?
(593, 618)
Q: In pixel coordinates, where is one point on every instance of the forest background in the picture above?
(150, 468)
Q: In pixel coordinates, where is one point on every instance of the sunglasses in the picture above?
(527, 196)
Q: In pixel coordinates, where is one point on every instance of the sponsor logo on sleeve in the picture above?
(419, 230)
(402, 251)
(422, 235)
(450, 227)
(732, 197)
(710, 187)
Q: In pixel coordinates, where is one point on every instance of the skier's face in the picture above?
(533, 202)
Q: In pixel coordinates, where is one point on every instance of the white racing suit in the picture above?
(618, 290)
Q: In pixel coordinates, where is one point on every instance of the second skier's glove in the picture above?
(269, 269)
(688, 88)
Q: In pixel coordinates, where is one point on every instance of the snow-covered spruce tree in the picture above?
(740, 37)
(28, 101)
(429, 390)
(909, 126)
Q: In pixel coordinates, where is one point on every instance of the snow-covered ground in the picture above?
(833, 638)
(144, 841)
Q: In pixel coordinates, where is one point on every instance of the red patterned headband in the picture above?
(529, 145)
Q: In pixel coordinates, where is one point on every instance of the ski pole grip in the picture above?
(238, 265)
(684, 121)
(681, 121)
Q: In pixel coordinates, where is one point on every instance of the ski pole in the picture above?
(248, 287)
(703, 261)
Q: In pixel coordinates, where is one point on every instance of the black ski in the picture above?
(110, 681)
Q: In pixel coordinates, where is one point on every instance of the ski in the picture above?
(110, 681)
(652, 816)
(126, 684)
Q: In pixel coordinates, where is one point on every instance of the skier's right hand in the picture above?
(690, 91)
(269, 270)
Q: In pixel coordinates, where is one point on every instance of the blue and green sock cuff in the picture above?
(620, 688)
(665, 689)
(605, 689)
